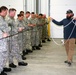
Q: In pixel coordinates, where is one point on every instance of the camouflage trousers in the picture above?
(43, 32)
(20, 42)
(24, 40)
(14, 49)
(40, 35)
(46, 32)
(3, 53)
(35, 38)
(27, 40)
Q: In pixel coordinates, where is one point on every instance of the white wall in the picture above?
(44, 7)
(31, 5)
(58, 11)
(17, 4)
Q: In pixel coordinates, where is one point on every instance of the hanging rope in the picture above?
(69, 35)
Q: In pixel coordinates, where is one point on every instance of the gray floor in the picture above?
(47, 61)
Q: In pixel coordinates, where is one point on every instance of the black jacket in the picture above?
(70, 30)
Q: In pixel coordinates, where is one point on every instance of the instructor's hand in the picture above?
(74, 18)
(51, 18)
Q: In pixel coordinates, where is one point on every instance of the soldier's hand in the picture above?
(41, 24)
(23, 28)
(31, 25)
(20, 29)
(34, 24)
(5, 34)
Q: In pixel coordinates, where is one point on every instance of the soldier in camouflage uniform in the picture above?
(28, 33)
(46, 28)
(37, 31)
(20, 26)
(14, 46)
(34, 35)
(24, 33)
(43, 29)
(40, 24)
(4, 32)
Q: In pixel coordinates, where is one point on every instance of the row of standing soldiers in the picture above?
(20, 37)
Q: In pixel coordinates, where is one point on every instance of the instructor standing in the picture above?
(69, 34)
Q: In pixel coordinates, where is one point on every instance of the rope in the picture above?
(14, 34)
(69, 35)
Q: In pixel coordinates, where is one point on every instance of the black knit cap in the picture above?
(69, 11)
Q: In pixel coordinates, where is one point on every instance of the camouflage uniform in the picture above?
(34, 32)
(27, 34)
(40, 29)
(44, 30)
(20, 35)
(13, 42)
(3, 43)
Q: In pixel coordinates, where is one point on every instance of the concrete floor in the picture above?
(47, 61)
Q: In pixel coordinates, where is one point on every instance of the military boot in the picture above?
(37, 47)
(48, 40)
(3, 73)
(23, 57)
(5, 69)
(22, 64)
(40, 45)
(12, 65)
(33, 48)
(24, 52)
(43, 41)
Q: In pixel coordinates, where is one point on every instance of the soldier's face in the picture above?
(12, 13)
(28, 15)
(4, 13)
(43, 16)
(40, 16)
(33, 15)
(36, 15)
(21, 18)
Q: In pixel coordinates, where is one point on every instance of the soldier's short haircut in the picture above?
(27, 12)
(3, 8)
(12, 9)
(40, 14)
(21, 12)
(19, 15)
(32, 12)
